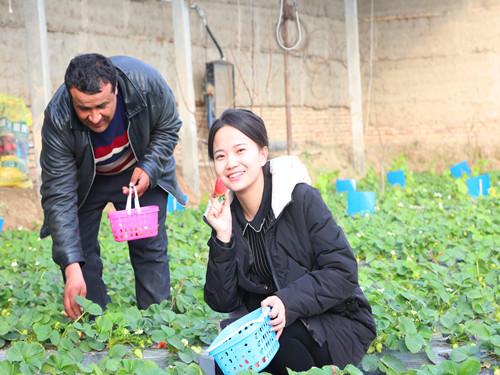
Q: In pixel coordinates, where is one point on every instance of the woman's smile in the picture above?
(238, 161)
(235, 176)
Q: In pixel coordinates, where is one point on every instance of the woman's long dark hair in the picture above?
(245, 121)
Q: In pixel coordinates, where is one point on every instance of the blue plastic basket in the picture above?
(246, 344)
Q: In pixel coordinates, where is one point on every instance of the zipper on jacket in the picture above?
(271, 224)
(93, 171)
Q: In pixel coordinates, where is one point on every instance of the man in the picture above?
(111, 126)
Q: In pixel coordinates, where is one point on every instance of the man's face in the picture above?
(95, 110)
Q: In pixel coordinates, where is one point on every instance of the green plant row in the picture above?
(429, 265)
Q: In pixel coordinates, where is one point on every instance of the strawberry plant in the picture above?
(429, 265)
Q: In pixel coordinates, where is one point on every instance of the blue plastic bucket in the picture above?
(346, 185)
(360, 202)
(246, 344)
(459, 169)
(396, 178)
(478, 185)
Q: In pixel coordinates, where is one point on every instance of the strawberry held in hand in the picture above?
(219, 190)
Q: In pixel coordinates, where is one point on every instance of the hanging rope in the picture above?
(279, 24)
(10, 7)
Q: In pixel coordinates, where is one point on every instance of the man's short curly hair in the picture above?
(88, 72)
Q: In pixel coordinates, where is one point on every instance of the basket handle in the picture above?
(129, 201)
(261, 317)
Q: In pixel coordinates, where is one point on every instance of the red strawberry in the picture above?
(219, 190)
(162, 344)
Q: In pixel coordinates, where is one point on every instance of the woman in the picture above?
(275, 243)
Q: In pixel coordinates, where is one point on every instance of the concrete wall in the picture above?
(434, 75)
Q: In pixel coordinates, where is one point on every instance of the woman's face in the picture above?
(238, 159)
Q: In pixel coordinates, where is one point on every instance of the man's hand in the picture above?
(75, 286)
(140, 180)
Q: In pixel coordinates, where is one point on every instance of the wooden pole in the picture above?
(185, 95)
(354, 76)
(39, 73)
(288, 101)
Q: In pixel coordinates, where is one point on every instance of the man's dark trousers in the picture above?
(148, 256)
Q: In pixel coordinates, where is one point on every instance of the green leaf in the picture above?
(73, 335)
(8, 368)
(58, 365)
(369, 362)
(168, 330)
(158, 335)
(463, 352)
(313, 371)
(352, 370)
(55, 338)
(104, 324)
(96, 345)
(168, 315)
(407, 325)
(495, 340)
(118, 351)
(94, 309)
(113, 365)
(430, 370)
(414, 342)
(175, 342)
(159, 371)
(449, 367)
(132, 316)
(469, 367)
(93, 369)
(430, 353)
(66, 344)
(22, 351)
(393, 363)
(43, 332)
(30, 356)
(187, 356)
(84, 302)
(85, 347)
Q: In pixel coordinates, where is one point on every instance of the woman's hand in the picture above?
(219, 217)
(277, 314)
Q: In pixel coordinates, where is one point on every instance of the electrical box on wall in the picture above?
(219, 88)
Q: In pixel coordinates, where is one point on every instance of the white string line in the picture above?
(279, 24)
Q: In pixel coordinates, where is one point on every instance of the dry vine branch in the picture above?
(253, 94)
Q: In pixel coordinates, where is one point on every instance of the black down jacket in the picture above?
(67, 157)
(312, 263)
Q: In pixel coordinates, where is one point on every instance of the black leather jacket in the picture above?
(312, 263)
(67, 157)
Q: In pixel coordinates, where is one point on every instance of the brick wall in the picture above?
(433, 83)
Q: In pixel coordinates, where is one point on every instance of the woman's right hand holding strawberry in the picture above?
(219, 216)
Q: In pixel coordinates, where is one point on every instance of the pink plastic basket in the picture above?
(134, 223)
